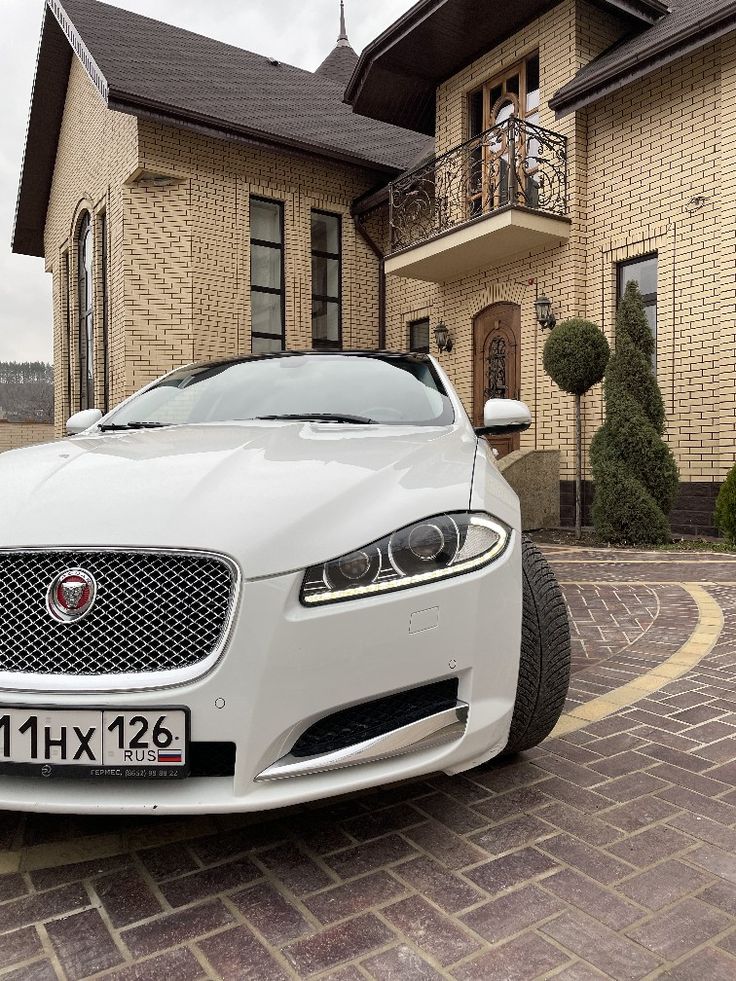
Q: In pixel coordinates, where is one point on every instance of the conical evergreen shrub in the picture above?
(635, 474)
(726, 508)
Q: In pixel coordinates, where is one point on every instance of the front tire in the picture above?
(544, 667)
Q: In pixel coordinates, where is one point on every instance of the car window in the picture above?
(388, 390)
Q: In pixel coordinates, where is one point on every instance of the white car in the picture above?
(265, 581)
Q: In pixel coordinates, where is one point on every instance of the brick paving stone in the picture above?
(574, 773)
(271, 914)
(611, 953)
(12, 886)
(445, 889)
(583, 826)
(63, 874)
(522, 959)
(450, 849)
(512, 912)
(178, 965)
(295, 869)
(512, 834)
(219, 878)
(349, 973)
(379, 823)
(400, 964)
(588, 896)
(510, 870)
(620, 764)
(650, 845)
(722, 895)
(673, 933)
(126, 897)
(632, 785)
(729, 943)
(715, 860)
(19, 946)
(620, 742)
(83, 944)
(692, 781)
(434, 933)
(502, 806)
(593, 862)
(354, 897)
(370, 856)
(718, 810)
(454, 814)
(663, 884)
(579, 972)
(501, 776)
(42, 907)
(343, 942)
(667, 754)
(40, 971)
(175, 928)
(236, 955)
(167, 861)
(588, 801)
(711, 965)
(706, 830)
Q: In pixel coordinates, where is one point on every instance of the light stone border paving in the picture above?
(699, 644)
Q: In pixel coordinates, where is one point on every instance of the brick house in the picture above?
(193, 200)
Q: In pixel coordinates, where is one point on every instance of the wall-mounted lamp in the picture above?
(545, 317)
(443, 337)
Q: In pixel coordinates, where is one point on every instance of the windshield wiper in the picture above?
(113, 427)
(317, 417)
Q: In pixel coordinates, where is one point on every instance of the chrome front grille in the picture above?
(154, 611)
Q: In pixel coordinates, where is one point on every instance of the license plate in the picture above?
(118, 744)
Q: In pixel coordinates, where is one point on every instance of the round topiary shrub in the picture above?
(726, 508)
(575, 357)
(635, 474)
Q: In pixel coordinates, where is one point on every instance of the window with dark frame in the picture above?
(419, 336)
(85, 306)
(267, 295)
(643, 272)
(326, 280)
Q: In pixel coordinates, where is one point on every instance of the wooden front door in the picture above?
(497, 364)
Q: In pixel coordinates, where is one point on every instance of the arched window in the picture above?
(85, 301)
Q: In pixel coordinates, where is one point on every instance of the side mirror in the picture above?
(82, 420)
(504, 417)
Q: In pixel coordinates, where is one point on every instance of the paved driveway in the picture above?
(609, 852)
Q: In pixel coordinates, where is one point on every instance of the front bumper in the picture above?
(285, 667)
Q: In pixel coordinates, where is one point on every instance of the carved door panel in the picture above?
(497, 364)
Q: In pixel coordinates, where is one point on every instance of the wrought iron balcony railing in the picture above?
(514, 164)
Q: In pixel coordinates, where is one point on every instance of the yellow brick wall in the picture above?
(559, 272)
(14, 435)
(177, 206)
(635, 161)
(97, 151)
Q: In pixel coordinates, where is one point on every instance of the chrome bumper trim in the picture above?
(435, 730)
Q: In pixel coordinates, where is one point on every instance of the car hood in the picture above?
(276, 496)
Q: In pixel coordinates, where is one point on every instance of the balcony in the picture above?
(500, 195)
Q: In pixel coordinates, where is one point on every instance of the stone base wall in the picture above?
(535, 476)
(691, 515)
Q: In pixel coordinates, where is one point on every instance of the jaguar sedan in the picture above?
(264, 581)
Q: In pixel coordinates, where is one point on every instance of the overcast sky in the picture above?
(293, 31)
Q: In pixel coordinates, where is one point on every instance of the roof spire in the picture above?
(342, 41)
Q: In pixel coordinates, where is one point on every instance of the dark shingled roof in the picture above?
(688, 26)
(144, 67)
(339, 65)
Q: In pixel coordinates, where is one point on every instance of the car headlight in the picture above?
(435, 548)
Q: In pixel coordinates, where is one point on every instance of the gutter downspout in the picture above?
(362, 231)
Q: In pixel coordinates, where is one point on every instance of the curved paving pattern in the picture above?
(607, 852)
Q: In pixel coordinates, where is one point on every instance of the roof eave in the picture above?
(160, 112)
(573, 97)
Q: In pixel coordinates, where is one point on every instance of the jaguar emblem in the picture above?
(71, 595)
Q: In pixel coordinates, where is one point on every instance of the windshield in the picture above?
(391, 390)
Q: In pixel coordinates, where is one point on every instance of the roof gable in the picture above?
(144, 67)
